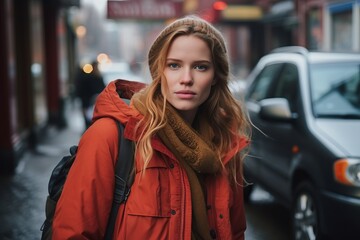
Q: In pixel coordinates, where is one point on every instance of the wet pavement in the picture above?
(23, 195)
(266, 218)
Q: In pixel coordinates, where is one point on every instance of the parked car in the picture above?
(305, 148)
(118, 70)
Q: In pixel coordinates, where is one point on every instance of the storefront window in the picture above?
(342, 35)
(314, 29)
(37, 65)
(63, 57)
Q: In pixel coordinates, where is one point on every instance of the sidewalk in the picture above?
(23, 195)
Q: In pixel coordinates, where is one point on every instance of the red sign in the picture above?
(144, 9)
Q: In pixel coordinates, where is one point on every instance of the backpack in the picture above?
(123, 183)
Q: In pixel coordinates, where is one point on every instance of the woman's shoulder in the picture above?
(101, 131)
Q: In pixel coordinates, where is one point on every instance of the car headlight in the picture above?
(347, 171)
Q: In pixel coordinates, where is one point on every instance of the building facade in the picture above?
(36, 58)
(325, 25)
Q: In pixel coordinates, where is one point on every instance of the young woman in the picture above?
(190, 138)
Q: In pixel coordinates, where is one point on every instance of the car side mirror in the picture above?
(275, 109)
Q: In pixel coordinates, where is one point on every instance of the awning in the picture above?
(144, 9)
(281, 14)
(241, 13)
(69, 3)
(341, 7)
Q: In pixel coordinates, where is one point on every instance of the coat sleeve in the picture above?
(83, 208)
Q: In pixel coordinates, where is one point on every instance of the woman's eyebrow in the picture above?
(202, 61)
(196, 61)
(173, 59)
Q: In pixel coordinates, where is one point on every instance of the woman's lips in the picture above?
(185, 94)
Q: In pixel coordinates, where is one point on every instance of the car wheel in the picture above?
(247, 192)
(305, 213)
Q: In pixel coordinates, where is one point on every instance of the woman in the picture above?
(189, 133)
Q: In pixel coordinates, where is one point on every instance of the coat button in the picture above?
(171, 165)
(221, 216)
(213, 234)
(173, 212)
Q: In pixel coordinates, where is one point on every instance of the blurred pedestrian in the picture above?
(89, 83)
(190, 135)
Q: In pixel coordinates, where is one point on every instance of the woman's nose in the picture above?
(187, 77)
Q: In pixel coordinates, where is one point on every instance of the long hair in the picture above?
(224, 115)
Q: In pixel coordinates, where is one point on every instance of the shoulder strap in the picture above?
(123, 168)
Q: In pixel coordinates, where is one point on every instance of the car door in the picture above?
(258, 90)
(281, 145)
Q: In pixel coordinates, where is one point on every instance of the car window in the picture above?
(260, 88)
(335, 90)
(287, 85)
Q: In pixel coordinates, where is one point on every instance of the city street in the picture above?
(293, 64)
(266, 219)
(23, 195)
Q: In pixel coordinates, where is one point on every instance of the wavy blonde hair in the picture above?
(224, 115)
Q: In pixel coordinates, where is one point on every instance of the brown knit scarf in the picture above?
(194, 155)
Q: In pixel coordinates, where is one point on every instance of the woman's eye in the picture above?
(201, 67)
(173, 65)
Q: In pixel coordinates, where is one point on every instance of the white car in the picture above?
(118, 70)
(305, 148)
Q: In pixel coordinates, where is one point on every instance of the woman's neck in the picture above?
(188, 116)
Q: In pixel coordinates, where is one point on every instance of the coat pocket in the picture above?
(150, 193)
(148, 206)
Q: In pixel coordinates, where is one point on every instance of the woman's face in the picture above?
(189, 73)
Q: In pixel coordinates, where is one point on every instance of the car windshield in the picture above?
(335, 90)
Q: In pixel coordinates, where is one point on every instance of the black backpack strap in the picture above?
(123, 169)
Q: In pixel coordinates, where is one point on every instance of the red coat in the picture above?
(159, 205)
